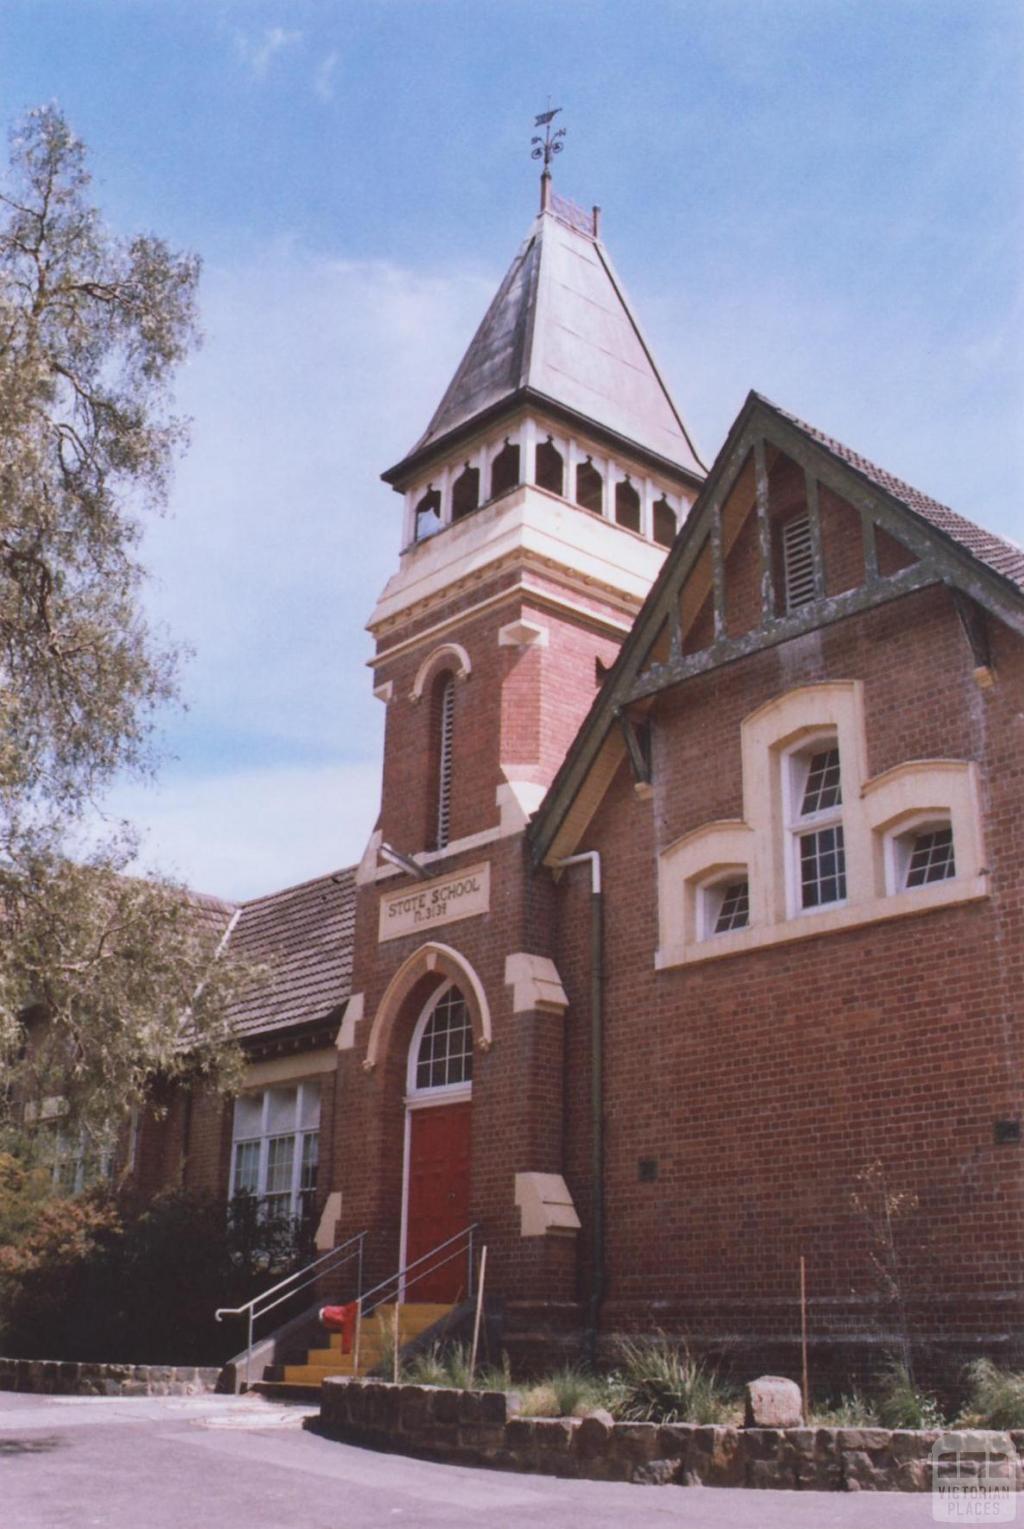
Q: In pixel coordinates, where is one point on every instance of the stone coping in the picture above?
(65, 1377)
(483, 1428)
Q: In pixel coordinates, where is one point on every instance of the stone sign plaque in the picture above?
(432, 904)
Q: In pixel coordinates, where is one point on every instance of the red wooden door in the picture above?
(438, 1197)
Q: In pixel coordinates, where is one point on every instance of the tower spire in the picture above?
(546, 148)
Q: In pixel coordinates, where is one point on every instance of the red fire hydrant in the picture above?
(341, 1319)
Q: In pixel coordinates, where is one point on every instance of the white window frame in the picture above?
(710, 896)
(442, 1093)
(898, 845)
(795, 768)
(266, 1136)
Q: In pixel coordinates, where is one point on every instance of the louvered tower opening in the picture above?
(444, 761)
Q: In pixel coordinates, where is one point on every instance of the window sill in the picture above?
(830, 920)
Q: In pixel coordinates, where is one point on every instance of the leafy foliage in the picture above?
(904, 1404)
(995, 1397)
(90, 1279)
(92, 328)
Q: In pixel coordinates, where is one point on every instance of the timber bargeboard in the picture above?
(569, 806)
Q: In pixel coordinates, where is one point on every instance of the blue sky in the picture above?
(821, 199)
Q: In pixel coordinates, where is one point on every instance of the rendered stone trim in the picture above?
(447, 651)
(329, 1218)
(523, 634)
(431, 956)
(535, 984)
(354, 1009)
(545, 1206)
(61, 1377)
(304, 1064)
(385, 691)
(874, 809)
(484, 1428)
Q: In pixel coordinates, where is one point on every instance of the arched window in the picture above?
(505, 470)
(664, 522)
(550, 467)
(428, 515)
(441, 1054)
(442, 728)
(465, 492)
(627, 506)
(589, 487)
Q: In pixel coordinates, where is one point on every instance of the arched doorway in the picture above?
(438, 1094)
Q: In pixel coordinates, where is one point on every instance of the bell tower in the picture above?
(538, 504)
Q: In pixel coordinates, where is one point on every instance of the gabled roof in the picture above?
(302, 938)
(561, 330)
(987, 567)
(1002, 556)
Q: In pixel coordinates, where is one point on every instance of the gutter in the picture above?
(595, 1298)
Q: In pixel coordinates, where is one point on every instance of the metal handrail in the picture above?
(400, 1280)
(335, 1257)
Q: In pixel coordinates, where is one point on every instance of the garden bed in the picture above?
(474, 1427)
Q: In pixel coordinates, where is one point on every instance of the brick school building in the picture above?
(688, 940)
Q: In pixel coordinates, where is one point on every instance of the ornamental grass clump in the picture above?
(904, 1404)
(852, 1410)
(662, 1382)
(995, 1397)
(569, 1392)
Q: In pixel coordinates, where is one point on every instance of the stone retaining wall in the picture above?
(482, 1428)
(60, 1377)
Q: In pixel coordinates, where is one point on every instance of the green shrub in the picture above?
(661, 1381)
(995, 1397)
(85, 1278)
(902, 1403)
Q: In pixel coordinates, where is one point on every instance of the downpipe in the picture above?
(595, 1298)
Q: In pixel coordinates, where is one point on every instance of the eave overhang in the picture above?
(404, 473)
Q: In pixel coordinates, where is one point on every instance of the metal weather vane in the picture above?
(551, 144)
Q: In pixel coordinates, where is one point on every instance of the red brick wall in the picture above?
(765, 1083)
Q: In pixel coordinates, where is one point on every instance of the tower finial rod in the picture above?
(546, 148)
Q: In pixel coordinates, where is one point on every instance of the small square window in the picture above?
(734, 908)
(931, 857)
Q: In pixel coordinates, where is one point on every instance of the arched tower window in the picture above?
(627, 506)
(664, 523)
(550, 467)
(442, 729)
(441, 1054)
(428, 515)
(589, 486)
(505, 470)
(466, 492)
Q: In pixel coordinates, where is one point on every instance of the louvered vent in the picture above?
(798, 562)
(444, 774)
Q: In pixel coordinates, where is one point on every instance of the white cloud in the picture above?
(281, 536)
(242, 834)
(258, 53)
(323, 79)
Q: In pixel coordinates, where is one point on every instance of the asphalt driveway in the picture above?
(244, 1463)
